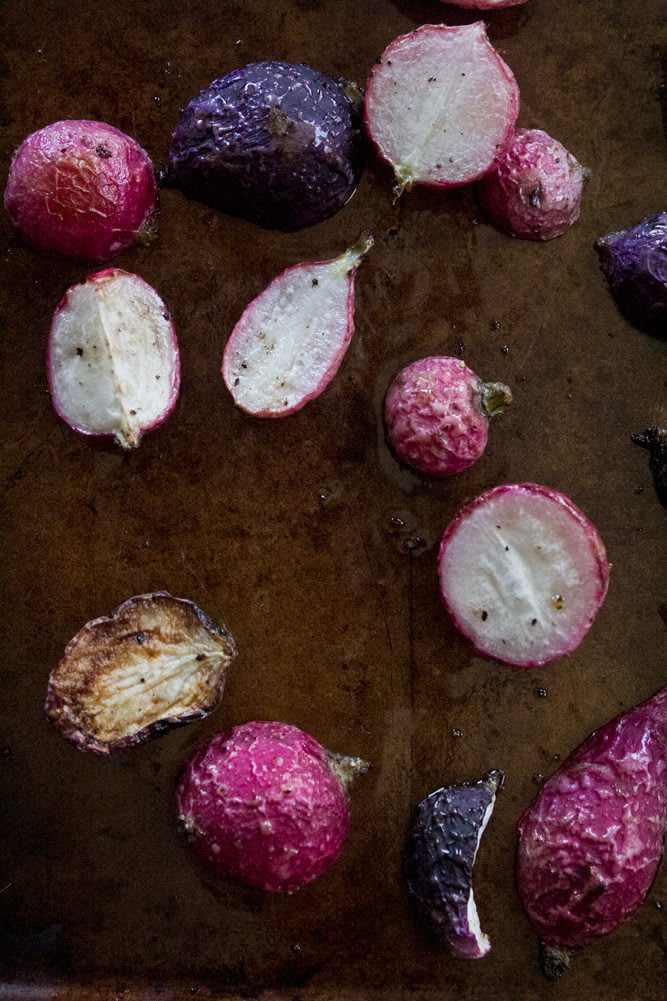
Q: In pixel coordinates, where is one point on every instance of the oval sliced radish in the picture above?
(441, 105)
(113, 360)
(522, 573)
(291, 339)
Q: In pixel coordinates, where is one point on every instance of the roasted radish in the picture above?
(113, 360)
(82, 189)
(266, 805)
(591, 843)
(440, 853)
(154, 663)
(437, 415)
(291, 339)
(522, 573)
(441, 105)
(634, 262)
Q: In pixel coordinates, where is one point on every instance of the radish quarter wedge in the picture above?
(291, 339)
(441, 105)
(113, 361)
(522, 573)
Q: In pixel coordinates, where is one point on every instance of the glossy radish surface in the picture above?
(267, 805)
(441, 105)
(82, 189)
(591, 843)
(522, 573)
(291, 339)
(113, 358)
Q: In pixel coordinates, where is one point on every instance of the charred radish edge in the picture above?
(440, 856)
(471, 622)
(128, 436)
(75, 720)
(590, 845)
(241, 377)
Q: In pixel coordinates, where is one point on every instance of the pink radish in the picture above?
(266, 805)
(82, 189)
(522, 573)
(591, 843)
(291, 339)
(113, 361)
(437, 415)
(535, 191)
(441, 105)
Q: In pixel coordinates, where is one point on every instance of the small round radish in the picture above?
(113, 360)
(291, 339)
(266, 805)
(535, 191)
(82, 189)
(522, 573)
(437, 415)
(441, 105)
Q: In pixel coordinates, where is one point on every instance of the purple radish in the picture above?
(535, 190)
(634, 262)
(441, 105)
(437, 415)
(591, 843)
(155, 662)
(440, 853)
(82, 189)
(522, 573)
(266, 805)
(291, 339)
(113, 361)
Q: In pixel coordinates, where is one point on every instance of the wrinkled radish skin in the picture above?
(113, 360)
(591, 843)
(536, 188)
(522, 573)
(82, 189)
(292, 338)
(441, 105)
(634, 262)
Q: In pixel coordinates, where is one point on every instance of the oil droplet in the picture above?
(541, 693)
(538, 778)
(457, 733)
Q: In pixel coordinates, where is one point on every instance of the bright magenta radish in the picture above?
(113, 361)
(441, 105)
(535, 190)
(437, 415)
(523, 574)
(591, 843)
(291, 339)
(266, 805)
(82, 189)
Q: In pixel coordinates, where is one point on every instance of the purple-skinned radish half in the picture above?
(634, 262)
(440, 853)
(591, 843)
(113, 361)
(441, 105)
(265, 804)
(523, 573)
(291, 339)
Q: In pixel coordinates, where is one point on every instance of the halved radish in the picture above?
(113, 361)
(441, 105)
(522, 573)
(291, 339)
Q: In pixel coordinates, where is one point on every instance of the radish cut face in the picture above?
(523, 573)
(113, 358)
(291, 339)
(441, 105)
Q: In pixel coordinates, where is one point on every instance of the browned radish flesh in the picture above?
(113, 359)
(441, 105)
(291, 339)
(523, 573)
(156, 662)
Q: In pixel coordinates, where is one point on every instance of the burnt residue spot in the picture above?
(200, 657)
(236, 381)
(103, 152)
(533, 622)
(485, 615)
(315, 282)
(541, 693)
(79, 351)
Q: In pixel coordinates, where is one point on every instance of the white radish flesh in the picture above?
(291, 339)
(523, 573)
(113, 358)
(441, 105)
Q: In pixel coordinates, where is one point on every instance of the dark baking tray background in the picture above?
(304, 534)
